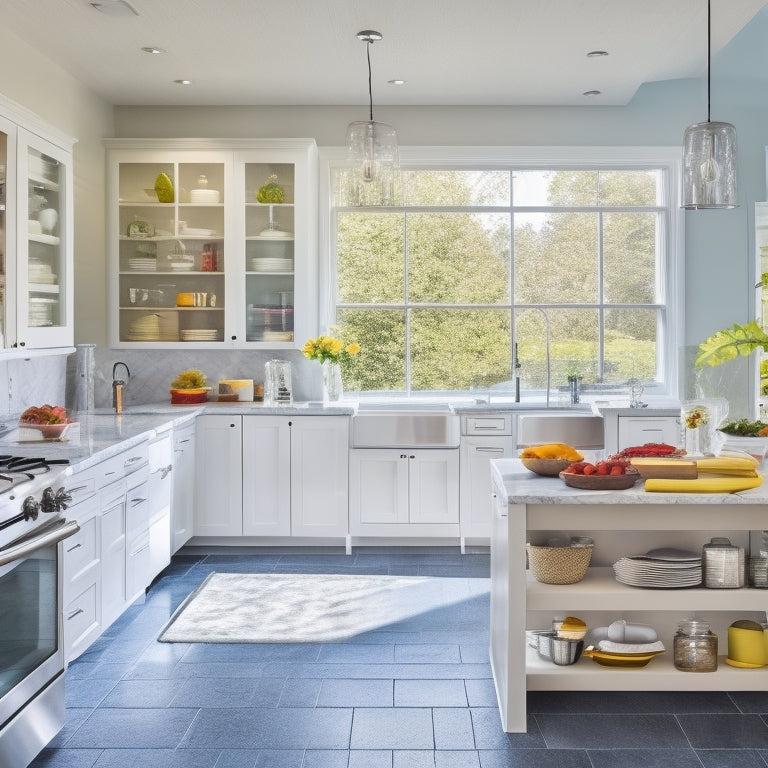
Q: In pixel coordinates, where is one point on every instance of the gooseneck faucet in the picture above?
(117, 386)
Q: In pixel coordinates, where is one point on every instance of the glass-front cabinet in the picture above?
(213, 246)
(36, 264)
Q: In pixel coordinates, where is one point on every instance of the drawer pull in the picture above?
(77, 488)
(72, 549)
(490, 450)
(139, 500)
(74, 613)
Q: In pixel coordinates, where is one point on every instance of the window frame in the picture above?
(671, 273)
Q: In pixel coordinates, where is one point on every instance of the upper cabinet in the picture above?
(212, 243)
(36, 263)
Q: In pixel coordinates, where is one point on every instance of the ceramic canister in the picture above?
(748, 646)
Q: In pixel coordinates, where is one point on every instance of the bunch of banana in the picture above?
(727, 473)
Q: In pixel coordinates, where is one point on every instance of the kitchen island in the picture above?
(528, 507)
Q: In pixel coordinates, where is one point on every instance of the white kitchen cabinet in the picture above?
(219, 481)
(267, 476)
(36, 236)
(476, 504)
(639, 430)
(81, 559)
(161, 469)
(183, 500)
(409, 492)
(295, 476)
(212, 266)
(113, 592)
(319, 472)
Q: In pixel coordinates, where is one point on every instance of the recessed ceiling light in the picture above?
(152, 49)
(592, 93)
(596, 54)
(396, 82)
(183, 82)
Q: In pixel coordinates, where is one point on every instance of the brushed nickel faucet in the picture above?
(118, 386)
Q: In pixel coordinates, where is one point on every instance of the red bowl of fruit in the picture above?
(601, 476)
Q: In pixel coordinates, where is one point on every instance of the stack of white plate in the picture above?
(146, 328)
(142, 264)
(41, 273)
(200, 334)
(182, 266)
(271, 264)
(204, 196)
(278, 335)
(41, 311)
(665, 568)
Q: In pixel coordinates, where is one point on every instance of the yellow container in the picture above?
(747, 647)
(185, 299)
(233, 390)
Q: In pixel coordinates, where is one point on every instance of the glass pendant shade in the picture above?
(710, 166)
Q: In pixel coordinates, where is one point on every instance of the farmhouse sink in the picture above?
(579, 430)
(408, 427)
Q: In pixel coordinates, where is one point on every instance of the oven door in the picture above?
(31, 653)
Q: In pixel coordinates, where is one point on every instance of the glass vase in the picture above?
(332, 385)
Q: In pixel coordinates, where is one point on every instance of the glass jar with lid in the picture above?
(695, 647)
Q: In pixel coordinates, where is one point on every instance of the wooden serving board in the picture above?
(675, 469)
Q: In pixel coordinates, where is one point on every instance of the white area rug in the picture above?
(307, 608)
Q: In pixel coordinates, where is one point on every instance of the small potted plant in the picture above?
(189, 388)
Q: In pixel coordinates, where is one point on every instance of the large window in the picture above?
(564, 270)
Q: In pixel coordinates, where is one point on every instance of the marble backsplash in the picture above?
(151, 372)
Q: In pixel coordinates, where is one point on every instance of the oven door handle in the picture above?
(52, 535)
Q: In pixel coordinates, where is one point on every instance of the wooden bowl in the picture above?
(547, 467)
(601, 482)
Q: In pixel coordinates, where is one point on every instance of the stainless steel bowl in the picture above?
(545, 644)
(565, 651)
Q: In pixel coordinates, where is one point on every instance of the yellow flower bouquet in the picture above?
(329, 349)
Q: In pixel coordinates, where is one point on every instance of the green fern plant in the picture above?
(730, 343)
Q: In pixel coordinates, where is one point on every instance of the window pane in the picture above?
(380, 365)
(556, 258)
(466, 188)
(455, 349)
(629, 258)
(630, 187)
(573, 346)
(370, 249)
(562, 187)
(458, 258)
(630, 344)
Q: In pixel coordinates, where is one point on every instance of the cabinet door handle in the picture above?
(74, 613)
(77, 488)
(138, 500)
(72, 549)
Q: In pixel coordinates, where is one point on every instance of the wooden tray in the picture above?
(677, 469)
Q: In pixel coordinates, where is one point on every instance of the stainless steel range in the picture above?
(32, 523)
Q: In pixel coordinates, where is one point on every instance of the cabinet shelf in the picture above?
(174, 272)
(270, 239)
(269, 205)
(146, 308)
(659, 675)
(42, 182)
(44, 239)
(599, 591)
(268, 274)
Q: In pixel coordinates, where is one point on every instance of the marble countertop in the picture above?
(524, 487)
(100, 434)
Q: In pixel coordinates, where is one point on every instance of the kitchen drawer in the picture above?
(124, 464)
(81, 621)
(81, 488)
(81, 551)
(488, 424)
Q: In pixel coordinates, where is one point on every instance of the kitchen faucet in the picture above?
(117, 386)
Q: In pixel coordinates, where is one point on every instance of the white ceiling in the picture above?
(305, 52)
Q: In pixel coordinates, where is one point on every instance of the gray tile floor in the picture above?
(417, 694)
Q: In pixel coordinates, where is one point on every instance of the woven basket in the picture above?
(558, 565)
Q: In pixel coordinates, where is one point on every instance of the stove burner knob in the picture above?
(62, 499)
(48, 502)
(30, 508)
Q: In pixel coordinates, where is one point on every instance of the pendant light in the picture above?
(709, 155)
(371, 150)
